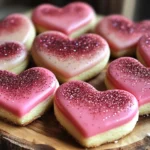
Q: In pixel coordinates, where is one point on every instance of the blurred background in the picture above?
(133, 9)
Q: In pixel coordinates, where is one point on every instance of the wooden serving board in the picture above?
(47, 134)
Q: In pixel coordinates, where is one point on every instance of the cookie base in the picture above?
(35, 113)
(30, 38)
(21, 67)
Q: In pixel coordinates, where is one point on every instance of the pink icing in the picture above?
(66, 20)
(21, 93)
(93, 112)
(69, 57)
(128, 74)
(144, 48)
(120, 32)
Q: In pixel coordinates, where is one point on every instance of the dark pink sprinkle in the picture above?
(143, 48)
(145, 41)
(54, 44)
(82, 95)
(122, 25)
(18, 86)
(143, 26)
(132, 69)
(9, 49)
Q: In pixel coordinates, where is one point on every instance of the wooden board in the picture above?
(46, 133)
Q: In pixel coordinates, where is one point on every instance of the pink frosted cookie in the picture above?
(121, 34)
(129, 74)
(143, 50)
(73, 20)
(19, 28)
(79, 59)
(25, 97)
(13, 57)
(93, 117)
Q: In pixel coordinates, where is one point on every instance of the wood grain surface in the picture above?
(46, 133)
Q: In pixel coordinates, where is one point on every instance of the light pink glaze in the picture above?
(120, 32)
(143, 26)
(15, 27)
(69, 57)
(11, 54)
(66, 20)
(129, 74)
(144, 48)
(93, 112)
(10, 24)
(21, 93)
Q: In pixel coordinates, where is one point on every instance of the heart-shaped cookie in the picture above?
(73, 20)
(25, 97)
(79, 59)
(94, 117)
(13, 56)
(129, 74)
(19, 28)
(143, 49)
(121, 34)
